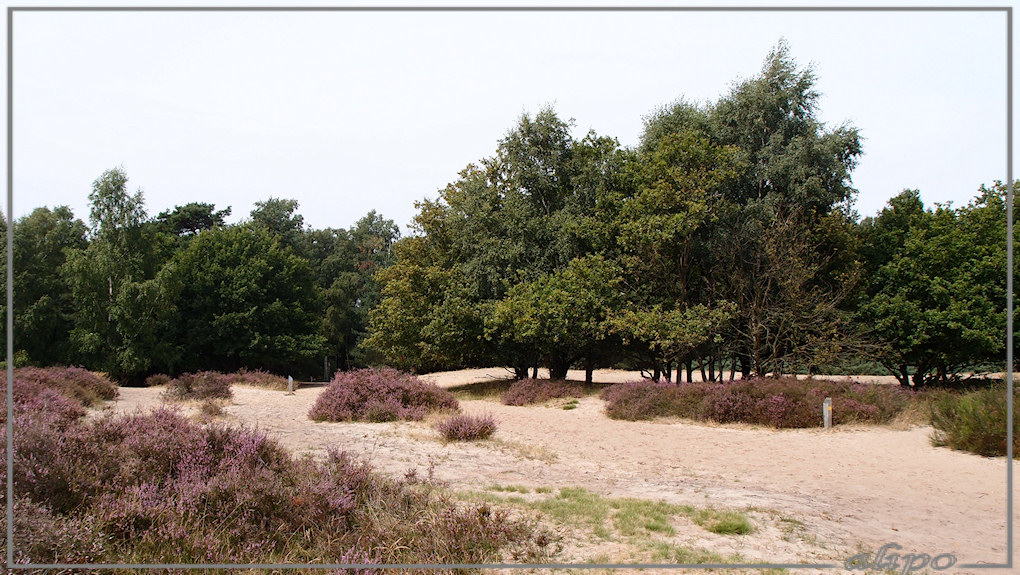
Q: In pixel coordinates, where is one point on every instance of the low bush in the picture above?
(974, 421)
(259, 378)
(199, 385)
(467, 427)
(160, 489)
(379, 395)
(779, 403)
(530, 391)
(77, 383)
(157, 379)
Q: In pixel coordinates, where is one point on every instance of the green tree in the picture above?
(122, 251)
(245, 300)
(43, 304)
(934, 300)
(280, 217)
(794, 173)
(191, 218)
(561, 318)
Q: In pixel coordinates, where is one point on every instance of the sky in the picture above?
(348, 112)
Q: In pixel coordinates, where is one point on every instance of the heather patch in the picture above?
(379, 395)
(467, 427)
(779, 403)
(199, 385)
(530, 391)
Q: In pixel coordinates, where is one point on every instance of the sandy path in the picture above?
(846, 490)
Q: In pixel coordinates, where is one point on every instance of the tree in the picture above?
(560, 318)
(246, 300)
(191, 218)
(43, 304)
(347, 262)
(791, 167)
(121, 252)
(281, 218)
(935, 295)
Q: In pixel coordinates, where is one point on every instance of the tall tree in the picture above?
(43, 303)
(246, 300)
(121, 252)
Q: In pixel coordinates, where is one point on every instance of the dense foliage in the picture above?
(724, 243)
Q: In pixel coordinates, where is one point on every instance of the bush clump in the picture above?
(467, 427)
(78, 383)
(199, 385)
(259, 378)
(530, 391)
(974, 421)
(157, 379)
(379, 395)
(780, 403)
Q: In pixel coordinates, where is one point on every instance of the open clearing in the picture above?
(813, 496)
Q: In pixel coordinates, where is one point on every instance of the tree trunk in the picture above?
(589, 368)
(656, 374)
(520, 372)
(558, 368)
(701, 368)
(690, 371)
(534, 372)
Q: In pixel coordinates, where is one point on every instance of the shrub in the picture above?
(379, 395)
(467, 427)
(779, 403)
(530, 391)
(259, 378)
(200, 385)
(157, 379)
(80, 384)
(974, 421)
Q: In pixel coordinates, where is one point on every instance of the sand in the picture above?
(814, 496)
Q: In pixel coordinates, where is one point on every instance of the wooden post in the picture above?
(290, 385)
(827, 412)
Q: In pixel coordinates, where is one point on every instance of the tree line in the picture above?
(724, 243)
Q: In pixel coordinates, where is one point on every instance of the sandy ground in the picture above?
(814, 496)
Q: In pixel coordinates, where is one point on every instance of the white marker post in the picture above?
(290, 385)
(827, 412)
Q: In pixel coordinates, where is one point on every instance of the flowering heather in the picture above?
(779, 403)
(78, 383)
(379, 395)
(157, 488)
(199, 385)
(529, 391)
(467, 427)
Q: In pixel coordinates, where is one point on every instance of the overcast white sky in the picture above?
(352, 111)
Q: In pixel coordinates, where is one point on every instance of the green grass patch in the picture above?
(570, 405)
(723, 522)
(509, 488)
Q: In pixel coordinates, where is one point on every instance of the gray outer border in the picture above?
(10, 270)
